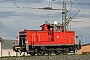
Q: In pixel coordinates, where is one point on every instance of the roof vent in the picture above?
(55, 22)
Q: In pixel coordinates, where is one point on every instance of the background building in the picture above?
(85, 49)
(7, 48)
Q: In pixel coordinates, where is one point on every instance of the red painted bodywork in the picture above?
(47, 36)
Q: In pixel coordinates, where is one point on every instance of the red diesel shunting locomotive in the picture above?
(52, 38)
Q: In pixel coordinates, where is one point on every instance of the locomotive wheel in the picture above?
(62, 52)
(57, 53)
(47, 53)
(42, 53)
(39, 52)
(32, 53)
(67, 50)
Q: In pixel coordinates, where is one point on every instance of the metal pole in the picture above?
(64, 13)
(0, 49)
(1, 46)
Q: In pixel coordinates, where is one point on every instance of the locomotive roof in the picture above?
(31, 30)
(56, 25)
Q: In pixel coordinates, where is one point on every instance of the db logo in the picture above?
(57, 36)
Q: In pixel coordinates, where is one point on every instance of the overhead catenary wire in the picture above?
(16, 6)
(71, 3)
(82, 3)
(21, 7)
(15, 3)
(71, 6)
(75, 14)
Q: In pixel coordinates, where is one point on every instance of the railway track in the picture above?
(52, 57)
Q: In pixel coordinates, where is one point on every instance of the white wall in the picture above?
(10, 52)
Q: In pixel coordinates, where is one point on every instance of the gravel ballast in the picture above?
(56, 57)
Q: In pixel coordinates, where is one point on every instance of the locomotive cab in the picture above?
(22, 41)
(55, 27)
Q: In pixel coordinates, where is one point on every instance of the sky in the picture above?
(14, 19)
